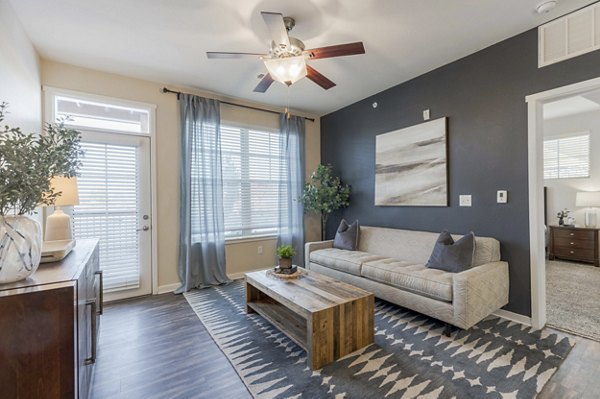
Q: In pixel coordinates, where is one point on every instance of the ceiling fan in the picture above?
(286, 59)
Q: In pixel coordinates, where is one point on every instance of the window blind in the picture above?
(567, 157)
(108, 196)
(253, 177)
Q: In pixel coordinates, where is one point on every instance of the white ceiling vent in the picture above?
(567, 37)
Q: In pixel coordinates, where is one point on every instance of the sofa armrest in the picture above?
(314, 246)
(479, 291)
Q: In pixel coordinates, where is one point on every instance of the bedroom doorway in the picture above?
(564, 178)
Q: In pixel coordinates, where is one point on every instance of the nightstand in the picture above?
(574, 243)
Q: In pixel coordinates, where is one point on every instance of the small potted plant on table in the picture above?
(285, 254)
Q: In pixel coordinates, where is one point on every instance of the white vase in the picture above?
(20, 247)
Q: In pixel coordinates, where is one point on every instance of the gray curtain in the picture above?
(291, 220)
(201, 236)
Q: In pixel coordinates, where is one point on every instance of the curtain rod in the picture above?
(165, 90)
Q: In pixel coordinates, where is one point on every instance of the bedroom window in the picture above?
(253, 189)
(567, 157)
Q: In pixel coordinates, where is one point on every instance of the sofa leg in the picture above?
(447, 329)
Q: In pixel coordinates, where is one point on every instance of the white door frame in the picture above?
(49, 94)
(537, 251)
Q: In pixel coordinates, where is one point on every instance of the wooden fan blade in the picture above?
(338, 50)
(264, 84)
(318, 78)
(274, 21)
(223, 56)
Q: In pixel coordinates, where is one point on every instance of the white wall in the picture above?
(19, 73)
(561, 192)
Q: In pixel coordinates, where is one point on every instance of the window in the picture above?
(103, 116)
(253, 189)
(567, 157)
(108, 210)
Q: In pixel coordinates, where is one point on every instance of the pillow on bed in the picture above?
(451, 256)
(346, 236)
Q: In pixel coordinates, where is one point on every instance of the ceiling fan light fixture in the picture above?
(287, 70)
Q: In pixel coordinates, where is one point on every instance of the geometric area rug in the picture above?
(410, 358)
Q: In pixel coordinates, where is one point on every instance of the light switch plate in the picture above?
(465, 200)
(502, 197)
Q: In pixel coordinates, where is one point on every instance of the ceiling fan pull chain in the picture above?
(287, 103)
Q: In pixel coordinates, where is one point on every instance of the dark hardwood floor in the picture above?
(156, 347)
(579, 376)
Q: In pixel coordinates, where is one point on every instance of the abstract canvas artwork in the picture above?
(411, 166)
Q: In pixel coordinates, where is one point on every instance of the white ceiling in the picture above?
(574, 105)
(166, 40)
(569, 106)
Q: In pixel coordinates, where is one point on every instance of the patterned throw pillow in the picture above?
(454, 257)
(346, 236)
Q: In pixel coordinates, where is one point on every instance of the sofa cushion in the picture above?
(452, 256)
(342, 260)
(416, 246)
(417, 278)
(346, 236)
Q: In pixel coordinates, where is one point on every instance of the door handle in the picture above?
(144, 228)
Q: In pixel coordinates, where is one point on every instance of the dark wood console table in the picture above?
(49, 326)
(574, 243)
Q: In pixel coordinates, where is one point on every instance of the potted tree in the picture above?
(27, 163)
(285, 254)
(324, 194)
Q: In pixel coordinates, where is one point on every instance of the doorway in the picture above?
(115, 190)
(539, 217)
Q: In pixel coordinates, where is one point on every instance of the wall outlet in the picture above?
(426, 115)
(260, 249)
(464, 200)
(502, 197)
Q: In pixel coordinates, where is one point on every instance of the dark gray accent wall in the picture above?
(483, 96)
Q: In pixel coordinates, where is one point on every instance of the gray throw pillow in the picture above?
(454, 257)
(346, 236)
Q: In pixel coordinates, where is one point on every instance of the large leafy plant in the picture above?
(29, 161)
(324, 194)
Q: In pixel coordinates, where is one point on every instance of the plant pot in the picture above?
(285, 263)
(20, 247)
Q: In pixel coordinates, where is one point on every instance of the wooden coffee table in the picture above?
(326, 317)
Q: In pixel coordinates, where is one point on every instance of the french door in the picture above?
(115, 205)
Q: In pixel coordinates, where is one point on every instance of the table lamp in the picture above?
(58, 225)
(590, 200)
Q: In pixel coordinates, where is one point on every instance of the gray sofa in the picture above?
(390, 264)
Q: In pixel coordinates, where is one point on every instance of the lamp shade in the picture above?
(287, 70)
(587, 198)
(67, 186)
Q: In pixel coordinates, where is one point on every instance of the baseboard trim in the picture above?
(517, 318)
(164, 289)
(239, 275)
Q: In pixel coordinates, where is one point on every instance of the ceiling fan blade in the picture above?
(274, 21)
(318, 78)
(264, 84)
(223, 55)
(338, 50)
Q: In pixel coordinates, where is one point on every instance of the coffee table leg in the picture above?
(321, 338)
(251, 294)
